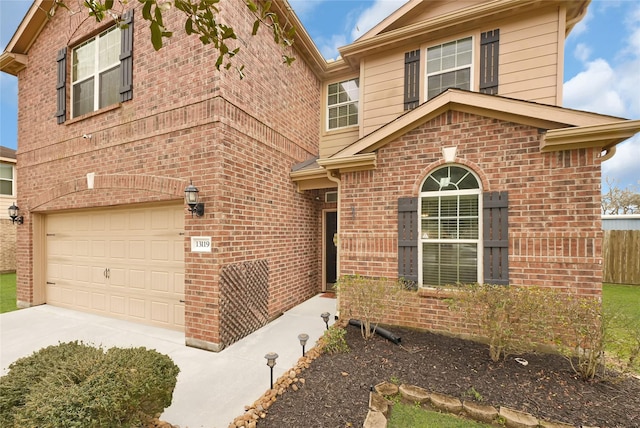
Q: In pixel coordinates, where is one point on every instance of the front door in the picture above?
(330, 248)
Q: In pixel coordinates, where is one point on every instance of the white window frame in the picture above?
(346, 103)
(422, 239)
(470, 66)
(12, 180)
(97, 70)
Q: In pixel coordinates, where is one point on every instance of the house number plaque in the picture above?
(201, 244)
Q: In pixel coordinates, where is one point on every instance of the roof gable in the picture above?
(605, 131)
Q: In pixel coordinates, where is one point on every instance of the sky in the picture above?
(602, 62)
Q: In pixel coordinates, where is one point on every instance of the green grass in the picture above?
(405, 415)
(621, 304)
(7, 292)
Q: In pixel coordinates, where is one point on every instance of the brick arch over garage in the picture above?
(163, 185)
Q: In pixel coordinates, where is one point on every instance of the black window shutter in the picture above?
(408, 239)
(411, 79)
(126, 57)
(489, 50)
(61, 85)
(495, 213)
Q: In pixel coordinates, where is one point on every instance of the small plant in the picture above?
(473, 394)
(334, 341)
(77, 385)
(368, 299)
(395, 380)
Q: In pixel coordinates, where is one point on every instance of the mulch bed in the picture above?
(336, 389)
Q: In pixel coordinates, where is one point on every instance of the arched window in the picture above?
(449, 237)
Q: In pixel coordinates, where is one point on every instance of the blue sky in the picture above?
(602, 61)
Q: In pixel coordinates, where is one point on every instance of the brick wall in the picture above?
(554, 213)
(236, 139)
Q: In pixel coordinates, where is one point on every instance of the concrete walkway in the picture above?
(212, 388)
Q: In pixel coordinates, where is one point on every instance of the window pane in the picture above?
(110, 87)
(449, 264)
(342, 104)
(83, 98)
(448, 62)
(83, 61)
(6, 171)
(433, 66)
(109, 50)
(6, 187)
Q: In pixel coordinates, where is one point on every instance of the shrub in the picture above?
(334, 341)
(77, 385)
(369, 299)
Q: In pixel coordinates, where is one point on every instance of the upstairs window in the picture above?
(342, 104)
(95, 74)
(6, 179)
(449, 66)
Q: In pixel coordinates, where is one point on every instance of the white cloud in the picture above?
(373, 15)
(594, 89)
(623, 166)
(304, 7)
(582, 52)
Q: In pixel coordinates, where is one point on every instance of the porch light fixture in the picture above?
(191, 199)
(14, 214)
(271, 361)
(325, 318)
(303, 337)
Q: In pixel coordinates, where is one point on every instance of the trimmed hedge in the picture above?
(76, 385)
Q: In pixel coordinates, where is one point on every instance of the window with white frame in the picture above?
(449, 66)
(342, 104)
(6, 179)
(95, 74)
(450, 241)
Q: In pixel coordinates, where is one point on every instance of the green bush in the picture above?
(334, 341)
(77, 385)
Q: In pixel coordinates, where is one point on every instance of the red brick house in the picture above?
(434, 149)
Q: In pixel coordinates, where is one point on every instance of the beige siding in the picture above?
(383, 90)
(332, 142)
(529, 57)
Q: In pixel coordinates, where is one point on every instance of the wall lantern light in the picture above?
(191, 199)
(325, 318)
(303, 337)
(14, 214)
(271, 361)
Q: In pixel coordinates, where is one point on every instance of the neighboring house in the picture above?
(8, 197)
(356, 166)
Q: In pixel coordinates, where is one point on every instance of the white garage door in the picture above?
(124, 263)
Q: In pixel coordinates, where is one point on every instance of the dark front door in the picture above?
(331, 250)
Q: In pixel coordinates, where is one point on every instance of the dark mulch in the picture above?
(336, 389)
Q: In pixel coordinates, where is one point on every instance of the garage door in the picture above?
(123, 263)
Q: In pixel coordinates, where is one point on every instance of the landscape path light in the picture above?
(303, 337)
(271, 361)
(325, 317)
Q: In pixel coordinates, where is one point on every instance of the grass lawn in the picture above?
(7, 292)
(405, 415)
(621, 305)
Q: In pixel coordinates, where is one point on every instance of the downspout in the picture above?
(335, 179)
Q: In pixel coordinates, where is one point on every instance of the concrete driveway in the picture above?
(212, 388)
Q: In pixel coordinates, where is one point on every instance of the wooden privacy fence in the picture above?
(621, 256)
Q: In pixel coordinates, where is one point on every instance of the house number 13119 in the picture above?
(201, 244)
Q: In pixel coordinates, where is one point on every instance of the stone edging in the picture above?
(380, 407)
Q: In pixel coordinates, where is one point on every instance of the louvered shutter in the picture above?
(411, 79)
(496, 237)
(489, 50)
(126, 57)
(408, 239)
(61, 86)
